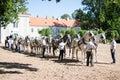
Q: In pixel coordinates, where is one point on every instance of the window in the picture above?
(32, 30)
(15, 25)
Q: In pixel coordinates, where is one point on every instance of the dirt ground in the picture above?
(16, 66)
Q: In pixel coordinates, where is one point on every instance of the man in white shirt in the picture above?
(113, 50)
(62, 50)
(90, 46)
(10, 42)
(43, 47)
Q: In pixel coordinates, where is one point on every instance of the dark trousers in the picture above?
(43, 50)
(19, 48)
(6, 44)
(113, 55)
(61, 55)
(89, 58)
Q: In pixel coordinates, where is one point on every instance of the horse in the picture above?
(81, 45)
(55, 42)
(71, 42)
(36, 45)
(27, 42)
(49, 43)
(99, 38)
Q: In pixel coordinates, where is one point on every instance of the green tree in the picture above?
(112, 33)
(93, 8)
(63, 32)
(65, 16)
(9, 10)
(74, 14)
(45, 32)
(72, 32)
(104, 14)
(83, 19)
(82, 32)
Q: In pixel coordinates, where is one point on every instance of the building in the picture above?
(29, 26)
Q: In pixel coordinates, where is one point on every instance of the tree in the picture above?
(83, 19)
(9, 10)
(63, 32)
(82, 32)
(74, 14)
(104, 14)
(112, 33)
(72, 32)
(45, 32)
(65, 16)
(93, 8)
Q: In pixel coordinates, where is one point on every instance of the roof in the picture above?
(37, 21)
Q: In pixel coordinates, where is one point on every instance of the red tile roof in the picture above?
(36, 21)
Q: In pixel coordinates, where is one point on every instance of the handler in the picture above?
(90, 46)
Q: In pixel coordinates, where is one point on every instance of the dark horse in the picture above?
(55, 42)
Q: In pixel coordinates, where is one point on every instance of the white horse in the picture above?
(99, 38)
(81, 45)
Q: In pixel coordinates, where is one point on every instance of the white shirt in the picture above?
(62, 46)
(43, 42)
(113, 44)
(90, 46)
(10, 41)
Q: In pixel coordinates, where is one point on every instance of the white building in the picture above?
(29, 26)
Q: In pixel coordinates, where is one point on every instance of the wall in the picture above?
(21, 30)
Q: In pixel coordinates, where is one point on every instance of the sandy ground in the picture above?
(16, 66)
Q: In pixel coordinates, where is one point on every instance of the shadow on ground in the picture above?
(9, 72)
(10, 65)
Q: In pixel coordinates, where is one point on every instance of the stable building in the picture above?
(29, 26)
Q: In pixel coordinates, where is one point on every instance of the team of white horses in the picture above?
(75, 44)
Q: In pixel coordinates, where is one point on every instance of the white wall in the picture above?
(35, 31)
(22, 29)
(23, 25)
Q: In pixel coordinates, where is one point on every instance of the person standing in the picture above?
(62, 50)
(90, 46)
(113, 50)
(19, 46)
(10, 42)
(6, 42)
(43, 47)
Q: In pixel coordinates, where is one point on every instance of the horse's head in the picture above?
(100, 38)
(91, 34)
(88, 35)
(103, 38)
(67, 38)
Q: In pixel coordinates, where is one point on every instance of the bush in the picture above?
(112, 33)
(63, 32)
(82, 32)
(72, 32)
(45, 32)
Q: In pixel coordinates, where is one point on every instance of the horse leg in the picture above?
(73, 49)
(96, 55)
(82, 57)
(77, 54)
(49, 48)
(69, 51)
(31, 49)
(53, 51)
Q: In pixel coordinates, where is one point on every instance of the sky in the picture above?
(51, 8)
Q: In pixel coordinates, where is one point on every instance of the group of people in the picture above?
(89, 51)
(13, 43)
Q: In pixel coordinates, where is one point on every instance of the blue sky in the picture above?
(49, 9)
